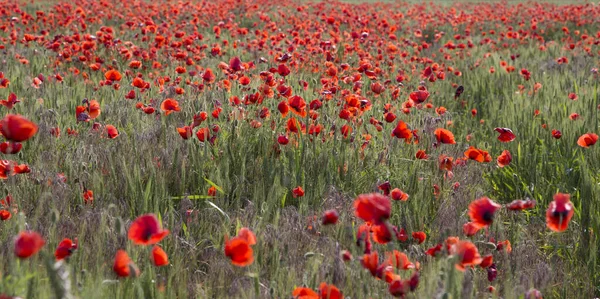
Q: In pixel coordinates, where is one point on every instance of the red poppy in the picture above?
(170, 105)
(419, 236)
(113, 75)
(212, 191)
(446, 162)
(146, 230)
(519, 205)
(421, 155)
(159, 257)
(398, 194)
(283, 108)
(506, 134)
(504, 245)
(385, 188)
(399, 260)
(373, 207)
(330, 217)
(283, 140)
(419, 96)
(10, 102)
(16, 128)
(381, 233)
(298, 192)
(504, 159)
(65, 248)
(434, 250)
(329, 291)
(467, 253)
(27, 244)
(203, 134)
(123, 266)
(246, 234)
(10, 148)
(402, 131)
(88, 196)
(5, 215)
(556, 134)
(470, 229)
(298, 105)
(239, 251)
(587, 140)
(444, 136)
(482, 210)
(477, 155)
(185, 132)
(487, 261)
(112, 132)
(401, 234)
(559, 212)
(304, 293)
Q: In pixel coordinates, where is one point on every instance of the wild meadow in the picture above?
(256, 149)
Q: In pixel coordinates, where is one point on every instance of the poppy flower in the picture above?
(330, 217)
(419, 236)
(446, 163)
(398, 288)
(470, 229)
(159, 256)
(346, 255)
(21, 168)
(482, 210)
(203, 134)
(65, 248)
(401, 235)
(113, 75)
(504, 158)
(398, 194)
(504, 245)
(146, 230)
(487, 261)
(88, 196)
(5, 215)
(10, 148)
(185, 132)
(123, 266)
(587, 140)
(402, 131)
(399, 260)
(112, 132)
(559, 212)
(381, 233)
(212, 191)
(93, 109)
(283, 108)
(419, 96)
(239, 251)
(283, 140)
(492, 273)
(28, 244)
(169, 106)
(10, 101)
(304, 293)
(298, 105)
(371, 262)
(477, 155)
(506, 134)
(432, 251)
(421, 155)
(556, 134)
(373, 207)
(573, 96)
(298, 192)
(329, 291)
(519, 205)
(17, 128)
(444, 136)
(385, 188)
(467, 253)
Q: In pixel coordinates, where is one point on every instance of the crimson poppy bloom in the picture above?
(556, 134)
(421, 155)
(373, 207)
(65, 248)
(487, 261)
(506, 134)
(10, 101)
(298, 105)
(112, 131)
(419, 236)
(587, 140)
(304, 293)
(482, 210)
(432, 251)
(381, 233)
(123, 266)
(28, 244)
(185, 132)
(10, 148)
(169, 106)
(385, 188)
(504, 159)
(398, 194)
(470, 229)
(467, 253)
(17, 128)
(113, 75)
(5, 215)
(238, 250)
(444, 136)
(329, 291)
(330, 217)
(159, 257)
(402, 131)
(399, 260)
(559, 212)
(146, 230)
(298, 192)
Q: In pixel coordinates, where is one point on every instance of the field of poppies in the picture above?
(254, 149)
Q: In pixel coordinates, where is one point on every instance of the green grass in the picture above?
(149, 168)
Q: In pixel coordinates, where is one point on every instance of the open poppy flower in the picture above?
(330, 217)
(506, 134)
(298, 192)
(470, 229)
(113, 75)
(123, 266)
(304, 293)
(399, 260)
(10, 148)
(298, 105)
(444, 136)
(159, 256)
(246, 234)
(146, 230)
(504, 159)
(238, 250)
(559, 212)
(477, 155)
(329, 291)
(520, 205)
(17, 128)
(10, 102)
(169, 106)
(112, 132)
(398, 194)
(419, 236)
(28, 244)
(185, 132)
(482, 210)
(467, 253)
(587, 140)
(65, 248)
(373, 207)
(402, 131)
